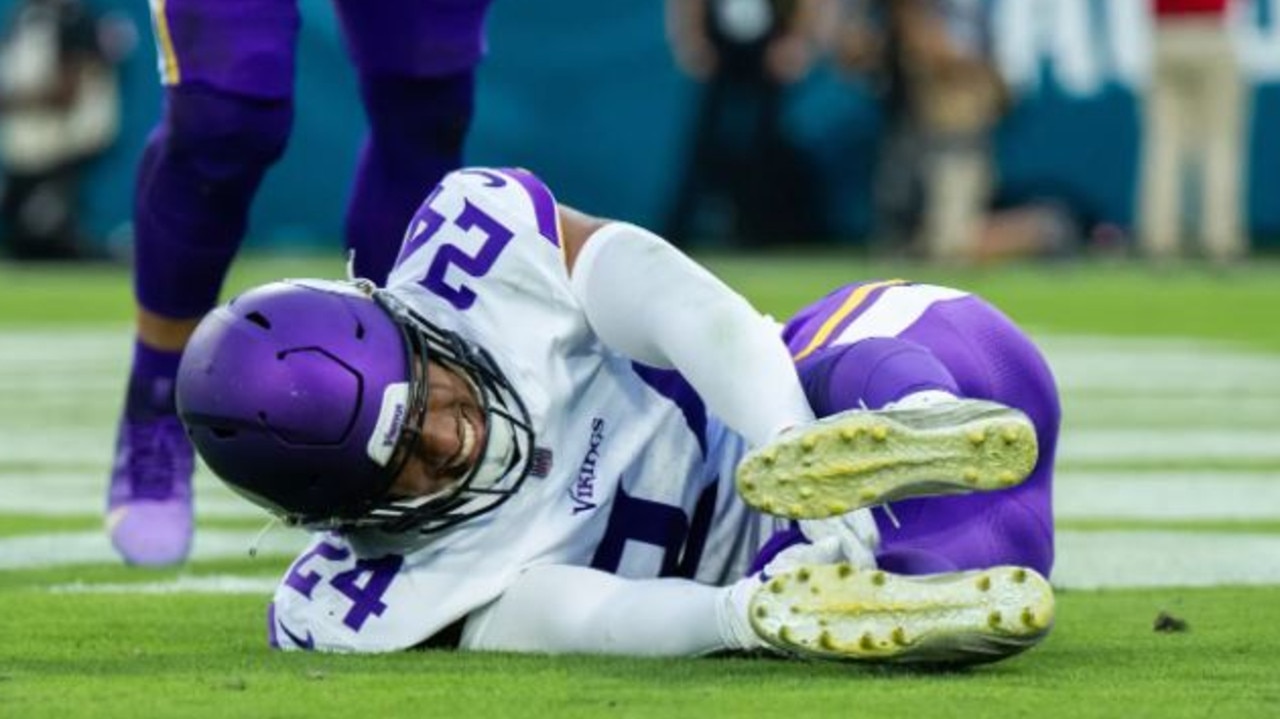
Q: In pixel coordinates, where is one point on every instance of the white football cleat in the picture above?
(862, 458)
(837, 612)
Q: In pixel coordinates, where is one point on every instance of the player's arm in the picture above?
(651, 302)
(562, 609)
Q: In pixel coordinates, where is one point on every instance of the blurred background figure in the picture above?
(744, 180)
(941, 97)
(59, 109)
(931, 66)
(1195, 115)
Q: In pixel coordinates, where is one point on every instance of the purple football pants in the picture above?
(228, 68)
(965, 346)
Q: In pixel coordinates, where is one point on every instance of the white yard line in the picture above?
(1167, 495)
(70, 494)
(1169, 444)
(1095, 560)
(219, 584)
(1196, 411)
(35, 551)
(1134, 365)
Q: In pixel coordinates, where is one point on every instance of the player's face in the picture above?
(451, 440)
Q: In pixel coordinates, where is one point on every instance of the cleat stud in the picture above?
(868, 496)
(795, 510)
(768, 507)
(826, 641)
(785, 635)
(808, 443)
(977, 438)
(878, 579)
(1008, 479)
(899, 637)
(768, 458)
(837, 507)
(866, 642)
(844, 570)
(971, 476)
(994, 619)
(848, 434)
(879, 434)
(795, 609)
(761, 612)
(1010, 436)
(1029, 618)
(776, 586)
(1019, 576)
(814, 590)
(984, 583)
(802, 575)
(748, 486)
(806, 492)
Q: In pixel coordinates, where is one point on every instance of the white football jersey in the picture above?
(640, 478)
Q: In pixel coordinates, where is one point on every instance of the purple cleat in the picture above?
(149, 514)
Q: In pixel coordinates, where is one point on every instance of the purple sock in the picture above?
(417, 127)
(150, 393)
(870, 372)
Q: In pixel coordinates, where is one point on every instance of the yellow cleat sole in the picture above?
(862, 458)
(837, 612)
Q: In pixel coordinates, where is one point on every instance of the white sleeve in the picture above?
(647, 300)
(562, 609)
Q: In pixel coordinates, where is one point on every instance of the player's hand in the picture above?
(826, 550)
(856, 533)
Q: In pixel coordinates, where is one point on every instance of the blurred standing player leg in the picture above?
(228, 71)
(872, 345)
(416, 66)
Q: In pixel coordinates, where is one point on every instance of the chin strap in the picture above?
(272, 523)
(351, 265)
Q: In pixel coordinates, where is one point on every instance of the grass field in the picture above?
(1168, 500)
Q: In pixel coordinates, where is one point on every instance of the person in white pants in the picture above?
(1195, 109)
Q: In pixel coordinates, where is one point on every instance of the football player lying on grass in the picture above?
(555, 433)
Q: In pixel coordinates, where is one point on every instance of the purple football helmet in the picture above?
(308, 397)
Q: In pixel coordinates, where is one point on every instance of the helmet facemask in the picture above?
(505, 459)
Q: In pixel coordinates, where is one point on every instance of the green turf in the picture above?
(70, 654)
(1124, 299)
(76, 655)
